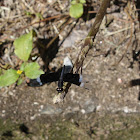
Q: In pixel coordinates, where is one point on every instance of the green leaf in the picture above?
(8, 78)
(76, 10)
(32, 70)
(73, 2)
(23, 46)
(82, 1)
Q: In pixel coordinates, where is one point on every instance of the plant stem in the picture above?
(88, 43)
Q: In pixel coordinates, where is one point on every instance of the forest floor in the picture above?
(107, 107)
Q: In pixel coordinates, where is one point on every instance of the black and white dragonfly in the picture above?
(64, 76)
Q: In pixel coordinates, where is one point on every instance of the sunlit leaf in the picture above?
(73, 2)
(9, 77)
(23, 46)
(82, 1)
(32, 70)
(76, 10)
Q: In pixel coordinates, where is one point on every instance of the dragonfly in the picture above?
(64, 76)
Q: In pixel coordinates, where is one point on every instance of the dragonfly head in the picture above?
(59, 90)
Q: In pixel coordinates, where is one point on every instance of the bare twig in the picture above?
(44, 20)
(51, 41)
(131, 35)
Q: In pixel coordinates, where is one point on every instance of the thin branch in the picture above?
(88, 43)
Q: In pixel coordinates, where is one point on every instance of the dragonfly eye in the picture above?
(59, 89)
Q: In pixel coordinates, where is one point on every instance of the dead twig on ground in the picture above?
(46, 19)
(128, 10)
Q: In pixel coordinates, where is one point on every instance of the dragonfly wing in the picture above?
(49, 77)
(68, 65)
(72, 78)
(79, 80)
(43, 79)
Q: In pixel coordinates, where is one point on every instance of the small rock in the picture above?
(36, 103)
(51, 110)
(89, 106)
(3, 111)
(76, 35)
(33, 117)
(83, 111)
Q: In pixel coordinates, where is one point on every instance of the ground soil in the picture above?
(107, 107)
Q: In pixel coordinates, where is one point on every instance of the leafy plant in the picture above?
(10, 76)
(23, 47)
(76, 8)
